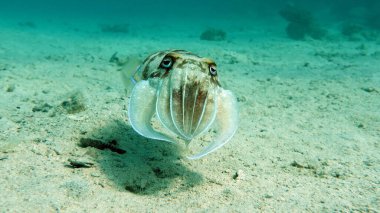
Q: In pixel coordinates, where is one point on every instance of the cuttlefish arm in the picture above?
(226, 122)
(141, 110)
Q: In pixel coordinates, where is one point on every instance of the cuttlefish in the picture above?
(182, 91)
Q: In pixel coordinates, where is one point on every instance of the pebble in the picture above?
(9, 88)
(239, 175)
(95, 174)
(3, 157)
(80, 162)
(268, 196)
(241, 98)
(370, 89)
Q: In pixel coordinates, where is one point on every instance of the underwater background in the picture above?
(306, 76)
(177, 12)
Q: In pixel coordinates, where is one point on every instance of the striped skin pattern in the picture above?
(183, 90)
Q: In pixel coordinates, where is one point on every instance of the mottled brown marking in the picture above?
(154, 75)
(146, 63)
(200, 101)
(215, 81)
(166, 74)
(180, 64)
(181, 59)
(151, 58)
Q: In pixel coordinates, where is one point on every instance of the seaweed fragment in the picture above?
(111, 145)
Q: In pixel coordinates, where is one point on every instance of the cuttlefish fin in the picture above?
(130, 72)
(226, 122)
(141, 110)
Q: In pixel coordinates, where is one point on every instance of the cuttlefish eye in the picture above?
(167, 63)
(212, 70)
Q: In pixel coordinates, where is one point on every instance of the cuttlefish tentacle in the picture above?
(226, 122)
(208, 106)
(140, 111)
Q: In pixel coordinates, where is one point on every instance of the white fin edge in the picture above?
(227, 119)
(141, 108)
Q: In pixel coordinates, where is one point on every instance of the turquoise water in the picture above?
(176, 11)
(329, 15)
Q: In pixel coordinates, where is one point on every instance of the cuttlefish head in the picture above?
(183, 90)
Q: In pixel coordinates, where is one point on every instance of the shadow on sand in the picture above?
(146, 167)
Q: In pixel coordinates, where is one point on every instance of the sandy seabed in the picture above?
(308, 138)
